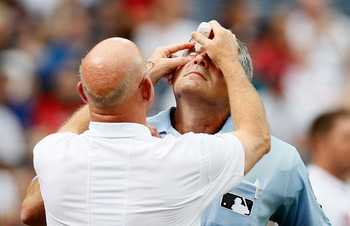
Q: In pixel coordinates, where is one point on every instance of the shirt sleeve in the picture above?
(222, 164)
(229, 151)
(299, 206)
(44, 150)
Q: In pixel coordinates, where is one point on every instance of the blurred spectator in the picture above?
(19, 69)
(324, 38)
(12, 141)
(272, 54)
(241, 16)
(9, 199)
(330, 166)
(137, 11)
(113, 19)
(205, 10)
(7, 18)
(53, 108)
(319, 36)
(12, 155)
(40, 9)
(167, 26)
(68, 31)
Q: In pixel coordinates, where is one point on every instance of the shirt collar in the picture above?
(162, 122)
(120, 129)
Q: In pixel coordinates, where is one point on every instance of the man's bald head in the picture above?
(110, 68)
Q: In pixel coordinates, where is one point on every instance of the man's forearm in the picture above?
(32, 209)
(78, 123)
(248, 115)
(246, 105)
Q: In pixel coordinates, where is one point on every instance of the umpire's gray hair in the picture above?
(245, 59)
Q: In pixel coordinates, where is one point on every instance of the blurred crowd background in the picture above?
(300, 51)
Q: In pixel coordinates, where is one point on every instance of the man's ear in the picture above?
(147, 90)
(81, 92)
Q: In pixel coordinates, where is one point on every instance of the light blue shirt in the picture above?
(277, 188)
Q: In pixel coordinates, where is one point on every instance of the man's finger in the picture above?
(156, 134)
(214, 25)
(177, 61)
(200, 38)
(170, 49)
(153, 130)
(170, 78)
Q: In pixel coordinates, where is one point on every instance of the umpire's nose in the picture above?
(201, 59)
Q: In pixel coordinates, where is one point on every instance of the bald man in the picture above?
(116, 173)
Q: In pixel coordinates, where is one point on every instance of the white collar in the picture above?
(162, 121)
(120, 129)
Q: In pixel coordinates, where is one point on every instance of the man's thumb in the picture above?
(179, 61)
(199, 37)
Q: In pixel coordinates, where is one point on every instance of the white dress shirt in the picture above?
(332, 193)
(118, 174)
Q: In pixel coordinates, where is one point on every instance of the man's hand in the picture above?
(222, 47)
(153, 130)
(32, 209)
(165, 62)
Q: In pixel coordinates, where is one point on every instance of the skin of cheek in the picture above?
(214, 90)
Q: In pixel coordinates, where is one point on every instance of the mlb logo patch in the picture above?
(237, 204)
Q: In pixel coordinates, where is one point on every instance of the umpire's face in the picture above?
(200, 78)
